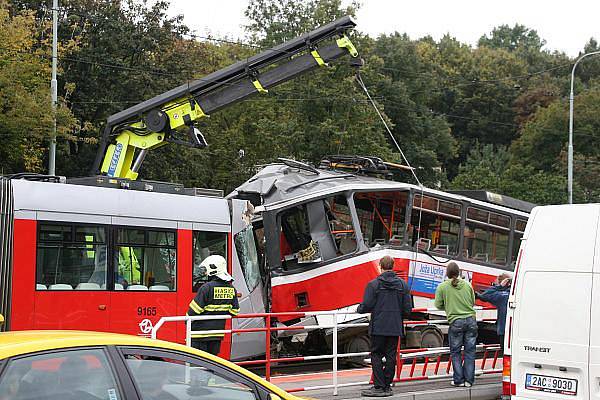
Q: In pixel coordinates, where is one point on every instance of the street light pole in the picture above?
(53, 88)
(570, 150)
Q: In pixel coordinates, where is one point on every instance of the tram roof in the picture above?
(280, 185)
(105, 205)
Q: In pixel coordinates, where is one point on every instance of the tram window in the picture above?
(382, 216)
(145, 259)
(518, 236)
(436, 223)
(486, 236)
(295, 242)
(248, 257)
(71, 257)
(261, 243)
(206, 244)
(318, 231)
(340, 225)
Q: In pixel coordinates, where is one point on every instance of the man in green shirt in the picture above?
(457, 298)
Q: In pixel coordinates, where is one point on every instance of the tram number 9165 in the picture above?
(146, 311)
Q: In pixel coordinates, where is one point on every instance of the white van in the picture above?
(552, 335)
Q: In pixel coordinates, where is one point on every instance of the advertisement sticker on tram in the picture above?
(425, 277)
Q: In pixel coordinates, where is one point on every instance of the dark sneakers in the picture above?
(376, 392)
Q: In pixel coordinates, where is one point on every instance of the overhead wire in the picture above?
(412, 170)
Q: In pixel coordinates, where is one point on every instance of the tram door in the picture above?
(145, 262)
(248, 283)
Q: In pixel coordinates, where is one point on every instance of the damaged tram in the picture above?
(321, 232)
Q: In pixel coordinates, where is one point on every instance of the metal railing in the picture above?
(430, 356)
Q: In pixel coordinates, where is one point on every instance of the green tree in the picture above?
(513, 38)
(488, 168)
(539, 187)
(26, 116)
(545, 136)
(276, 21)
(483, 169)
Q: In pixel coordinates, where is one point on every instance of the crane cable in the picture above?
(421, 187)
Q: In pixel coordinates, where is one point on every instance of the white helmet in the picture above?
(216, 265)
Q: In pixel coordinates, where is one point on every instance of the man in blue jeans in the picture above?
(457, 298)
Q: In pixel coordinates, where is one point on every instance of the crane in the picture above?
(171, 117)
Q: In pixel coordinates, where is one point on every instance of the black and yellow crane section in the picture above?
(171, 117)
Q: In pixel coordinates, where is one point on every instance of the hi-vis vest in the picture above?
(215, 297)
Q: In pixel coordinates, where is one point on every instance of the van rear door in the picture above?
(551, 330)
(594, 382)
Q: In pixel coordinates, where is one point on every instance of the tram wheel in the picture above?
(431, 338)
(357, 344)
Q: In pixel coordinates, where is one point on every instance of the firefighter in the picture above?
(215, 297)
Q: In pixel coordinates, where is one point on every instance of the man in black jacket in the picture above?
(387, 298)
(215, 297)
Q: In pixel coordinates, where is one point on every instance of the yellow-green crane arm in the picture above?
(171, 116)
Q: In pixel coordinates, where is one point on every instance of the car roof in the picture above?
(24, 342)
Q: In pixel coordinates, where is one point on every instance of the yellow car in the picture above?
(74, 365)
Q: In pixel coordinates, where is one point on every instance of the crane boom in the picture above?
(170, 117)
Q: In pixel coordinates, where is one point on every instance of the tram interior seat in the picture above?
(396, 240)
(499, 260)
(118, 286)
(442, 248)
(40, 286)
(87, 286)
(137, 287)
(60, 286)
(481, 257)
(158, 288)
(424, 244)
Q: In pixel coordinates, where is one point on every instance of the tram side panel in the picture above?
(22, 307)
(341, 284)
(87, 289)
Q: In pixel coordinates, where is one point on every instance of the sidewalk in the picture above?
(485, 388)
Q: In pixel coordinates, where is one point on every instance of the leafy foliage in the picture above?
(26, 115)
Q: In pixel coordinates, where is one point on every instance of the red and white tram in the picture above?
(326, 230)
(107, 259)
